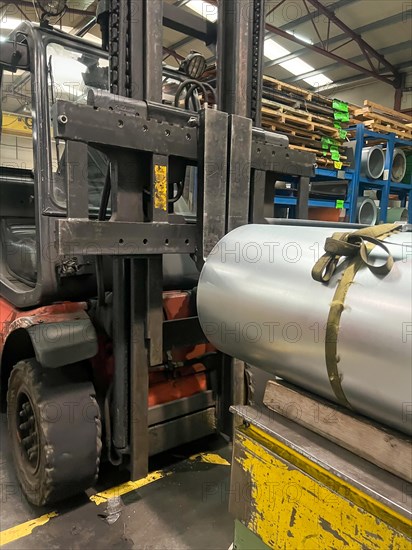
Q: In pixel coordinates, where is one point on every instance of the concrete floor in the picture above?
(187, 509)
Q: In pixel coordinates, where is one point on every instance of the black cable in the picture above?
(115, 460)
(186, 83)
(180, 188)
(104, 202)
(191, 90)
(189, 94)
(207, 85)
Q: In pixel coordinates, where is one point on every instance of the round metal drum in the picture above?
(258, 302)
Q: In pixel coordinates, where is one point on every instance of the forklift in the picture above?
(105, 225)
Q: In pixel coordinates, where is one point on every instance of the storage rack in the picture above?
(358, 183)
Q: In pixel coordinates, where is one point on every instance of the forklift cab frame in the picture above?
(28, 224)
(39, 205)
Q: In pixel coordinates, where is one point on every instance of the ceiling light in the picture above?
(300, 37)
(297, 66)
(273, 50)
(206, 10)
(318, 80)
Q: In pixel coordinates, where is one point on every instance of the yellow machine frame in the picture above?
(289, 499)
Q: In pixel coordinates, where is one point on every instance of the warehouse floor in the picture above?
(181, 505)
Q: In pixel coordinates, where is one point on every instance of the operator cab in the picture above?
(40, 65)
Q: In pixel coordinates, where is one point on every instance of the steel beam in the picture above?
(340, 37)
(187, 23)
(392, 81)
(293, 23)
(367, 48)
(27, 4)
(327, 68)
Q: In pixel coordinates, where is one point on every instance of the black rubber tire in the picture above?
(66, 416)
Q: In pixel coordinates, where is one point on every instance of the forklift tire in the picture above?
(55, 430)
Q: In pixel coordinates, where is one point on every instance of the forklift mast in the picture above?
(149, 147)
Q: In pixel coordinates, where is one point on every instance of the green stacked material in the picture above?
(340, 116)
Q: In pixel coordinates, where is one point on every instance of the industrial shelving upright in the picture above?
(385, 184)
(358, 183)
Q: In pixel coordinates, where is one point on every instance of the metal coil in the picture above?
(372, 162)
(367, 212)
(398, 165)
(257, 301)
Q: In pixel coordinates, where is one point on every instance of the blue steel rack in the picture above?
(360, 183)
(357, 183)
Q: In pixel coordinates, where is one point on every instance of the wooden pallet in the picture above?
(368, 114)
(382, 128)
(397, 115)
(301, 92)
(296, 102)
(305, 114)
(312, 143)
(322, 154)
(378, 126)
(277, 126)
(328, 163)
(381, 119)
(299, 137)
(374, 119)
(299, 122)
(386, 448)
(284, 87)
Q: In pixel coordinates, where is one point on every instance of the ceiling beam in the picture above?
(28, 4)
(185, 22)
(367, 49)
(357, 79)
(397, 18)
(395, 48)
(331, 55)
(287, 26)
(293, 23)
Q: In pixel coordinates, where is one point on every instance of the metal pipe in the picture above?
(397, 214)
(257, 301)
(367, 212)
(398, 165)
(372, 162)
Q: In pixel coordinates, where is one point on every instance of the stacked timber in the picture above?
(311, 121)
(383, 120)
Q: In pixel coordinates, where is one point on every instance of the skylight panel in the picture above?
(273, 50)
(318, 80)
(297, 66)
(206, 10)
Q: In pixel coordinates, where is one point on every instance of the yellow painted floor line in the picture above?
(128, 487)
(210, 458)
(99, 498)
(26, 528)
